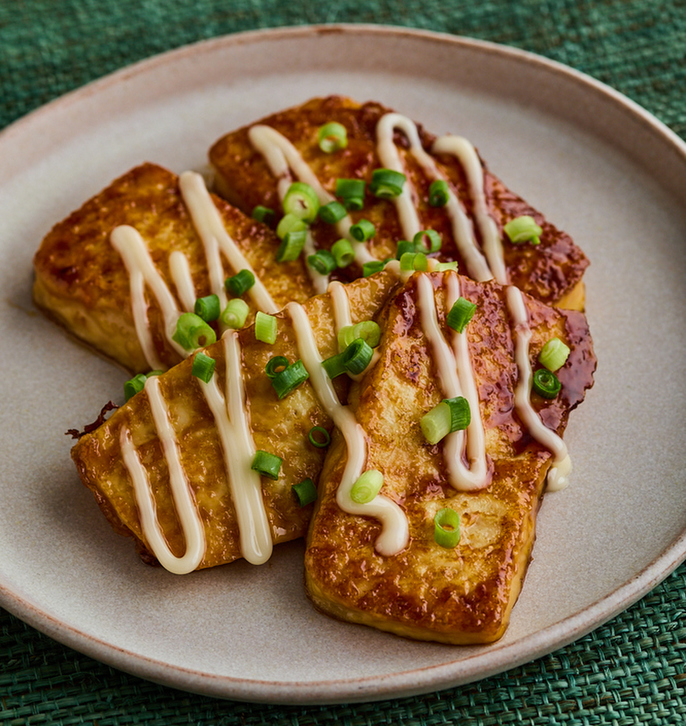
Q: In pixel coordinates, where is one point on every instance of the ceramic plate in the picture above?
(596, 164)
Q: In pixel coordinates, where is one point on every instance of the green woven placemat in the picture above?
(630, 671)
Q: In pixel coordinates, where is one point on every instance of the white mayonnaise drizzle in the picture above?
(558, 475)
(471, 165)
(209, 224)
(477, 266)
(457, 379)
(394, 526)
(183, 281)
(282, 158)
(182, 495)
(233, 426)
(137, 260)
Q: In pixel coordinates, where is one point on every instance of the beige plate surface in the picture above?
(596, 164)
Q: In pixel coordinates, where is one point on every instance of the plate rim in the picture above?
(401, 683)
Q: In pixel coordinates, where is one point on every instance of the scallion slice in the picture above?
(265, 328)
(332, 212)
(451, 414)
(334, 366)
(357, 356)
(319, 437)
(460, 314)
(404, 246)
(438, 193)
(554, 354)
(267, 464)
(240, 283)
(443, 266)
(367, 330)
(332, 137)
(523, 229)
(263, 214)
(134, 385)
(208, 308)
(434, 241)
(387, 183)
(346, 336)
(203, 367)
(363, 230)
(367, 486)
(193, 332)
(291, 246)
(287, 380)
(447, 528)
(301, 201)
(369, 268)
(413, 261)
(351, 192)
(235, 313)
(343, 252)
(322, 261)
(305, 492)
(546, 383)
(275, 365)
(290, 223)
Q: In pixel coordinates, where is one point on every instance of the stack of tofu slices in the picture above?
(360, 336)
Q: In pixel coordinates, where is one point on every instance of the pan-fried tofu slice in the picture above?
(381, 565)
(119, 271)
(172, 466)
(256, 164)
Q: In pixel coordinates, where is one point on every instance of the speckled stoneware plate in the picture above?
(597, 165)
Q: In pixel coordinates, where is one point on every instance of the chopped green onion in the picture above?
(460, 314)
(523, 229)
(263, 214)
(291, 246)
(267, 464)
(443, 266)
(345, 336)
(323, 262)
(546, 383)
(235, 313)
(134, 385)
(334, 366)
(305, 492)
(207, 308)
(287, 380)
(357, 356)
(343, 252)
(302, 201)
(447, 528)
(203, 367)
(319, 437)
(367, 330)
(363, 230)
(438, 193)
(193, 332)
(413, 261)
(554, 354)
(332, 212)
(404, 246)
(289, 223)
(367, 486)
(351, 191)
(369, 268)
(434, 241)
(240, 283)
(275, 366)
(387, 183)
(451, 414)
(265, 328)
(332, 137)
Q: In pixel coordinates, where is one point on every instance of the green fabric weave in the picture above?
(628, 672)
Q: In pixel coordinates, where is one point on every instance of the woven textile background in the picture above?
(632, 670)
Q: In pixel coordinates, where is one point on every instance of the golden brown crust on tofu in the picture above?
(82, 283)
(462, 595)
(548, 271)
(278, 426)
